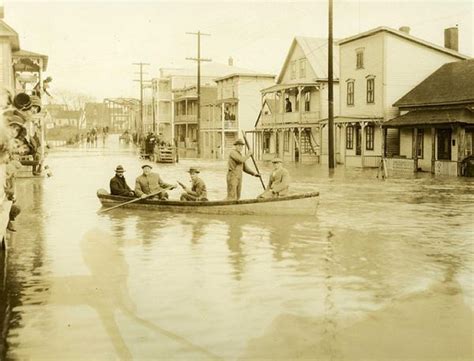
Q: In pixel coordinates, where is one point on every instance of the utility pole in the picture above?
(198, 60)
(330, 94)
(141, 96)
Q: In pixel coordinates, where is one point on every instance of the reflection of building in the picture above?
(377, 67)
(237, 107)
(436, 125)
(185, 114)
(288, 125)
(123, 113)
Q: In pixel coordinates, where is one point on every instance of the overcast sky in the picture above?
(92, 44)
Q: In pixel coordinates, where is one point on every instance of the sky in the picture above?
(92, 44)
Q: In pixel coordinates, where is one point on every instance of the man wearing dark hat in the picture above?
(279, 181)
(118, 184)
(235, 166)
(198, 190)
(150, 182)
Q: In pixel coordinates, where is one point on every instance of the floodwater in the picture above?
(384, 272)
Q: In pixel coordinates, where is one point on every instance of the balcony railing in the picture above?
(190, 118)
(230, 124)
(294, 117)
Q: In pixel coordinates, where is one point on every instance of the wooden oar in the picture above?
(133, 200)
(253, 159)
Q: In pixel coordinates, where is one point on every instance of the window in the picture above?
(266, 142)
(419, 143)
(350, 92)
(359, 59)
(350, 137)
(293, 69)
(370, 90)
(444, 144)
(369, 137)
(302, 68)
(307, 101)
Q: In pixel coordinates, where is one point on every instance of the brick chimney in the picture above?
(230, 61)
(405, 29)
(451, 38)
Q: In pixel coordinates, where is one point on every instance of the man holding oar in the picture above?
(149, 183)
(235, 167)
(197, 192)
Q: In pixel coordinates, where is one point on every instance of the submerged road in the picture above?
(385, 270)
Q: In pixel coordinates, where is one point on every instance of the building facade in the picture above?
(436, 125)
(376, 68)
(234, 111)
(288, 125)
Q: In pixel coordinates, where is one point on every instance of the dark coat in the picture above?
(119, 187)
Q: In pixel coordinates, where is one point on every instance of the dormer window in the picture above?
(359, 58)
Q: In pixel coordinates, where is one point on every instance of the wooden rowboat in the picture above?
(296, 204)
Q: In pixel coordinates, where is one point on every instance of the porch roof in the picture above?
(431, 117)
(278, 87)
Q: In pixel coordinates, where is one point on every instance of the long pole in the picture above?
(141, 97)
(330, 94)
(198, 60)
(253, 159)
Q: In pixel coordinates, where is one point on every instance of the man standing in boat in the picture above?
(118, 184)
(235, 167)
(198, 190)
(279, 181)
(149, 183)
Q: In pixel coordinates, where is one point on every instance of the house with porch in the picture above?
(377, 67)
(288, 125)
(235, 110)
(436, 123)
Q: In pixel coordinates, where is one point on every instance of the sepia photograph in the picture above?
(248, 180)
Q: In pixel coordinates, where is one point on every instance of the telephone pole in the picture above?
(198, 60)
(141, 65)
(330, 93)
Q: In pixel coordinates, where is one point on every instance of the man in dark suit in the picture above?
(118, 184)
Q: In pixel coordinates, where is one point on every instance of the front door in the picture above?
(444, 144)
(358, 137)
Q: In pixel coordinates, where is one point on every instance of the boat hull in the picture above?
(299, 204)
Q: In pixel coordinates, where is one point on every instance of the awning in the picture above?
(431, 117)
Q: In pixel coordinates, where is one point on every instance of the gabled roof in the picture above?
(215, 70)
(452, 83)
(316, 51)
(7, 31)
(404, 35)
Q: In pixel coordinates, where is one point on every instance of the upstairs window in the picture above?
(302, 68)
(359, 58)
(370, 90)
(293, 69)
(350, 92)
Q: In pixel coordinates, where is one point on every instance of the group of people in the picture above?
(150, 184)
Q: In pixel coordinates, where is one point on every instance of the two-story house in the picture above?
(436, 125)
(185, 114)
(235, 110)
(376, 68)
(289, 122)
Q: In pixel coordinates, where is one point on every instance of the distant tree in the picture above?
(73, 100)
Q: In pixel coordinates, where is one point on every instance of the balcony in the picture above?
(230, 124)
(183, 119)
(290, 118)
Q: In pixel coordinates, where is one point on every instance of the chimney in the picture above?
(405, 29)
(230, 61)
(451, 38)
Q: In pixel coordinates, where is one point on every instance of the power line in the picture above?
(141, 65)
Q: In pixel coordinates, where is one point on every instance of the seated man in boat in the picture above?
(118, 184)
(198, 190)
(279, 181)
(149, 183)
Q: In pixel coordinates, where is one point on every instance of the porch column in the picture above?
(300, 154)
(222, 131)
(321, 129)
(461, 147)
(433, 149)
(415, 149)
(300, 104)
(362, 143)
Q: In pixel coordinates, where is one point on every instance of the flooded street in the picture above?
(385, 270)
